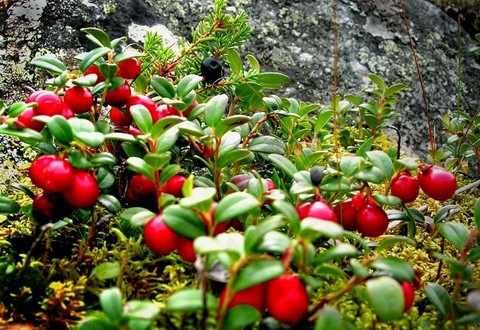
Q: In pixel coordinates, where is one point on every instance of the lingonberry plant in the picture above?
(212, 203)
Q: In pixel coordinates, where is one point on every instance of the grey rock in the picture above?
(292, 37)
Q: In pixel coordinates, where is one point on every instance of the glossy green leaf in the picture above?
(274, 242)
(167, 140)
(257, 272)
(111, 300)
(234, 205)
(329, 318)
(183, 221)
(92, 56)
(231, 157)
(387, 200)
(377, 81)
(230, 123)
(385, 296)
(455, 232)
(273, 80)
(78, 160)
(370, 174)
(93, 139)
(120, 137)
(110, 202)
(340, 250)
(106, 271)
(336, 183)
(289, 213)
(140, 310)
(322, 119)
(108, 70)
(215, 109)
(8, 205)
(284, 164)
(241, 316)
(234, 61)
(81, 125)
(268, 145)
(86, 81)
(191, 128)
(96, 323)
(439, 298)
(364, 147)
(165, 124)
(60, 129)
(138, 165)
(251, 94)
(105, 178)
(50, 64)
(231, 243)
(398, 268)
(329, 270)
(230, 141)
(445, 213)
(157, 161)
(312, 228)
(97, 36)
(17, 108)
(103, 159)
(350, 165)
(255, 235)
(142, 118)
(137, 216)
(253, 63)
(190, 300)
(187, 84)
(394, 89)
(163, 87)
(381, 160)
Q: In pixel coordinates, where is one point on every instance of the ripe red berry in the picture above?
(51, 173)
(408, 294)
(120, 96)
(32, 97)
(25, 118)
(93, 69)
(174, 185)
(253, 296)
(405, 187)
(129, 68)
(211, 227)
(287, 299)
(141, 186)
(163, 111)
(371, 220)
(67, 112)
(143, 100)
(185, 249)
(436, 182)
(358, 200)
(47, 207)
(83, 191)
(79, 98)
(49, 104)
(159, 237)
(346, 213)
(317, 209)
(187, 111)
(120, 118)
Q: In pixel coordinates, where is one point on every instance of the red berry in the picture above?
(79, 98)
(408, 294)
(358, 201)
(371, 220)
(210, 225)
(174, 185)
(159, 237)
(346, 213)
(129, 68)
(51, 173)
(120, 118)
(163, 111)
(143, 100)
(93, 69)
(436, 182)
(405, 187)
(253, 296)
(185, 249)
(25, 118)
(120, 96)
(287, 299)
(187, 111)
(47, 207)
(83, 191)
(67, 112)
(49, 104)
(318, 209)
(141, 186)
(32, 97)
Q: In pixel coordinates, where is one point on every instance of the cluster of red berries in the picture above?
(285, 298)
(141, 189)
(63, 187)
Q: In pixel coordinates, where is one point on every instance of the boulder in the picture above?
(292, 37)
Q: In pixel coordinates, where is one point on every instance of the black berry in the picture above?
(316, 175)
(212, 70)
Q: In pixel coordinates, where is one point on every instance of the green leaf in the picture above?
(140, 310)
(86, 81)
(385, 296)
(157, 161)
(50, 64)
(191, 128)
(273, 80)
(187, 84)
(108, 70)
(387, 200)
(138, 165)
(312, 228)
(183, 221)
(284, 164)
(92, 56)
(8, 205)
(81, 125)
(255, 235)
(142, 118)
(137, 216)
(329, 270)
(251, 94)
(17, 108)
(60, 129)
(455, 232)
(267, 145)
(340, 250)
(476, 213)
(394, 89)
(167, 140)
(274, 242)
(445, 213)
(381, 160)
(253, 63)
(92, 139)
(289, 213)
(234, 205)
(120, 137)
(241, 316)
(329, 318)
(105, 178)
(322, 119)
(107, 271)
(111, 203)
(398, 268)
(111, 300)
(366, 146)
(377, 81)
(230, 123)
(103, 159)
(235, 62)
(231, 243)
(165, 124)
(231, 157)
(387, 242)
(96, 323)
(230, 141)
(370, 174)
(78, 160)
(163, 87)
(335, 183)
(215, 109)
(439, 298)
(97, 36)
(257, 272)
(190, 300)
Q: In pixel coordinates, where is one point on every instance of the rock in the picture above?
(292, 37)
